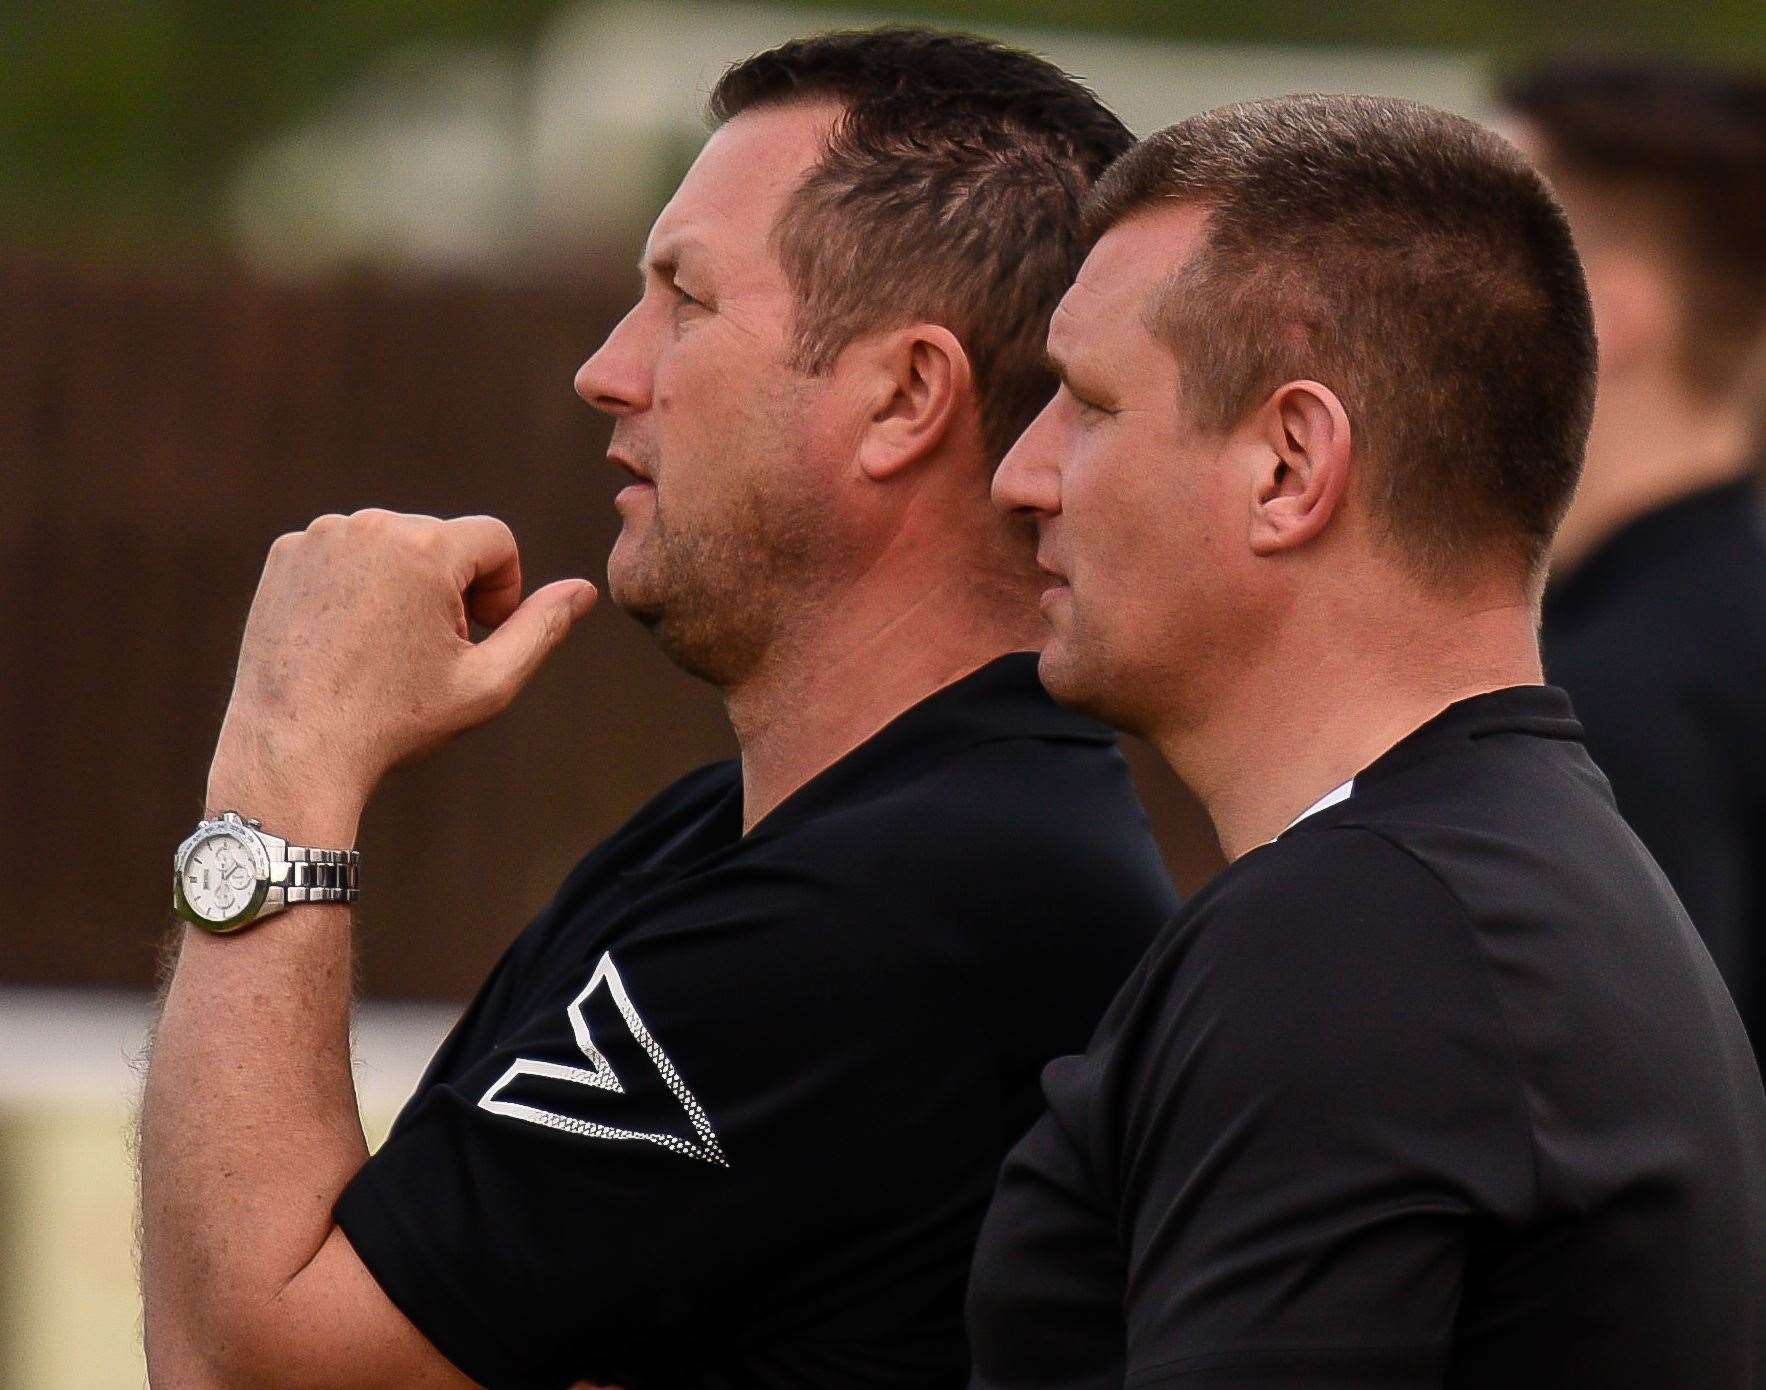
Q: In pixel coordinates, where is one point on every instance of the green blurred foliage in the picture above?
(120, 120)
(1723, 30)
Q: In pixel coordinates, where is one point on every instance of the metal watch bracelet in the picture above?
(322, 875)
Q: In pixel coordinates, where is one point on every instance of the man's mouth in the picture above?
(629, 466)
(1054, 586)
(641, 485)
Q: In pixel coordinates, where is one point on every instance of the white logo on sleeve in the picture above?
(599, 1075)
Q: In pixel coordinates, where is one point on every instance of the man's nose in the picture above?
(616, 378)
(1029, 477)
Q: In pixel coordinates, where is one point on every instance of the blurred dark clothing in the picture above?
(1660, 639)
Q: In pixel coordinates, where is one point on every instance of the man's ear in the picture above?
(918, 388)
(1300, 471)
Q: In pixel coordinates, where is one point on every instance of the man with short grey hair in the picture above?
(1435, 1085)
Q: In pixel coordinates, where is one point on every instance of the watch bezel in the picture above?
(260, 865)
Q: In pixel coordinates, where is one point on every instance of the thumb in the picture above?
(507, 659)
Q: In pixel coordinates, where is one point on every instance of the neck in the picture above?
(1337, 698)
(851, 666)
(1651, 445)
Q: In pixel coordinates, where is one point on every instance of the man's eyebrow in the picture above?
(1069, 374)
(667, 260)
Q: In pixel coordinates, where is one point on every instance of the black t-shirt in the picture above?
(1439, 1088)
(1660, 639)
(728, 1113)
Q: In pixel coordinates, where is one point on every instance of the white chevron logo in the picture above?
(600, 1075)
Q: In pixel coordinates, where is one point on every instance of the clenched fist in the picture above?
(358, 656)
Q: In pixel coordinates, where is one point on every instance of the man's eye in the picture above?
(685, 299)
(1087, 407)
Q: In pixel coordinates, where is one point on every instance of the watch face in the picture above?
(218, 878)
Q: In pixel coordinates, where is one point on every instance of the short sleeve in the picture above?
(674, 1130)
(1311, 1106)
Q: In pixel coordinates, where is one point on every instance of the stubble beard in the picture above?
(718, 595)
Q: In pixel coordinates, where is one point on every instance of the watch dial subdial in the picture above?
(218, 878)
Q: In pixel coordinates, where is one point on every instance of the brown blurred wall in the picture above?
(157, 431)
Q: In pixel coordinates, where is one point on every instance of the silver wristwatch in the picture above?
(231, 873)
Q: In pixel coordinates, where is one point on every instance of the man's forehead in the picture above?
(1119, 277)
(732, 194)
(1144, 249)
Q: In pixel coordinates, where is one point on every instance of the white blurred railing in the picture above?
(70, 1063)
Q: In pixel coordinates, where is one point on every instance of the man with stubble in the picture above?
(728, 1112)
(1436, 1084)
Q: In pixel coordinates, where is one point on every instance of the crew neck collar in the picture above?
(1341, 792)
(1000, 699)
(1539, 710)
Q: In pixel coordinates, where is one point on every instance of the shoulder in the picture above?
(763, 937)
(1334, 878)
(683, 800)
(1024, 805)
(1331, 951)
(1325, 997)
(689, 794)
(1022, 845)
(1673, 699)
(1337, 893)
(1692, 617)
(1007, 874)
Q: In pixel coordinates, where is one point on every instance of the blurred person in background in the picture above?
(1435, 1083)
(728, 1113)
(1655, 621)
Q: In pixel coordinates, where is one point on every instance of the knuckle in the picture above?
(483, 531)
(319, 525)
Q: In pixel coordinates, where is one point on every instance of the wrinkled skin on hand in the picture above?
(358, 653)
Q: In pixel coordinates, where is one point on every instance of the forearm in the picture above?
(249, 1126)
(357, 656)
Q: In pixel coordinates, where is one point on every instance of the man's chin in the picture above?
(1060, 674)
(681, 631)
(635, 586)
(632, 599)
(1072, 680)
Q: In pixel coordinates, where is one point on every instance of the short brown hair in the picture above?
(1413, 262)
(950, 192)
(1677, 155)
